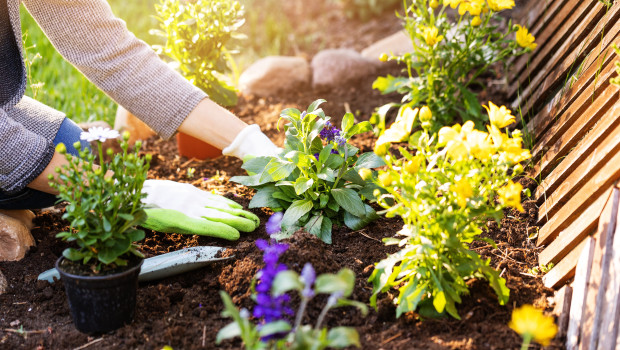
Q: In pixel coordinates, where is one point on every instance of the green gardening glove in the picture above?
(183, 208)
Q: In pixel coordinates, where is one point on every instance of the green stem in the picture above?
(526, 341)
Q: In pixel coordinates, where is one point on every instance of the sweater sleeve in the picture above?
(25, 154)
(88, 35)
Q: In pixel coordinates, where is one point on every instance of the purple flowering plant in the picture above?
(271, 326)
(314, 181)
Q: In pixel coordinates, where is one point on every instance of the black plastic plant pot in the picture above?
(100, 304)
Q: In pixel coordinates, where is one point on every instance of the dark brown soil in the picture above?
(184, 311)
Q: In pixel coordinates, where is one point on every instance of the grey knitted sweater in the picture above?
(88, 35)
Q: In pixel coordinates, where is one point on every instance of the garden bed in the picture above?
(184, 311)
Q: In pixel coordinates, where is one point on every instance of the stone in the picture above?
(3, 284)
(138, 130)
(332, 67)
(271, 74)
(15, 239)
(396, 44)
(25, 216)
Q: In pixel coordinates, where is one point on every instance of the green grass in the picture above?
(67, 90)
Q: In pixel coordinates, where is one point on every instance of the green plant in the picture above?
(616, 80)
(444, 187)
(541, 269)
(449, 58)
(365, 9)
(198, 38)
(104, 201)
(315, 178)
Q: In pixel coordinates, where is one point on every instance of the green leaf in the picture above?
(359, 128)
(264, 198)
(277, 169)
(389, 84)
(369, 160)
(314, 105)
(439, 301)
(314, 225)
(274, 328)
(302, 184)
(342, 337)
(326, 230)
(355, 222)
(72, 254)
(297, 209)
(232, 330)
(343, 281)
(325, 152)
(349, 200)
(286, 281)
(357, 304)
(256, 165)
(351, 175)
(347, 122)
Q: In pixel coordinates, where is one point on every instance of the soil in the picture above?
(185, 311)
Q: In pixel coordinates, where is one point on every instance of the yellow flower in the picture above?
(463, 192)
(476, 7)
(431, 36)
(365, 173)
(454, 138)
(452, 3)
(385, 179)
(480, 145)
(463, 8)
(510, 195)
(501, 117)
(400, 130)
(413, 165)
(531, 323)
(498, 5)
(383, 57)
(433, 4)
(425, 114)
(476, 21)
(525, 39)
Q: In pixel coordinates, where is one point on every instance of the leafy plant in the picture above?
(444, 186)
(449, 57)
(315, 178)
(104, 208)
(365, 9)
(197, 37)
(275, 331)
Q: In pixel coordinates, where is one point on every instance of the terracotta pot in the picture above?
(192, 147)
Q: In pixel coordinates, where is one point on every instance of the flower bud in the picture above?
(61, 148)
(383, 57)
(412, 166)
(126, 136)
(109, 151)
(381, 149)
(58, 170)
(365, 173)
(77, 145)
(50, 176)
(237, 6)
(376, 193)
(518, 169)
(138, 144)
(425, 114)
(433, 4)
(476, 21)
(385, 179)
(148, 157)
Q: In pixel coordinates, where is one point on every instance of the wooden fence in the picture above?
(562, 89)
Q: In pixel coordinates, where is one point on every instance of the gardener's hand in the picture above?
(183, 208)
(251, 142)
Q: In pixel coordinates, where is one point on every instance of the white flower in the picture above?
(98, 133)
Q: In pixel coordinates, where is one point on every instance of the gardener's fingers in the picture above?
(241, 223)
(172, 221)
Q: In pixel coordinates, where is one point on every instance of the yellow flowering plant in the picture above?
(450, 57)
(445, 186)
(532, 324)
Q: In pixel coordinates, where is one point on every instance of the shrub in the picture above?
(315, 178)
(103, 209)
(198, 34)
(450, 57)
(445, 186)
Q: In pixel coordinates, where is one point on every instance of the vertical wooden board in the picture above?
(562, 308)
(588, 324)
(570, 237)
(611, 303)
(565, 269)
(580, 287)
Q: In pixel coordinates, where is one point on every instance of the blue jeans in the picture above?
(28, 198)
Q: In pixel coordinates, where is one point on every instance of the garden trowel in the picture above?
(165, 265)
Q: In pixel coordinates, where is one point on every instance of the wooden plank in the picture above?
(583, 158)
(582, 198)
(581, 172)
(553, 75)
(611, 303)
(565, 269)
(589, 325)
(575, 232)
(561, 310)
(572, 24)
(566, 96)
(580, 287)
(551, 24)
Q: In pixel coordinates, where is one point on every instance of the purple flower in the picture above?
(274, 224)
(308, 276)
(268, 307)
(334, 151)
(340, 140)
(329, 132)
(316, 155)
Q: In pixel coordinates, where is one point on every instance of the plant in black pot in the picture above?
(100, 269)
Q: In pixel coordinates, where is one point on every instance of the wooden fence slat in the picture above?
(550, 25)
(591, 146)
(562, 309)
(575, 232)
(551, 77)
(572, 34)
(589, 331)
(565, 269)
(580, 173)
(566, 96)
(580, 286)
(611, 305)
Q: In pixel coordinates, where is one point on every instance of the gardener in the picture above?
(88, 35)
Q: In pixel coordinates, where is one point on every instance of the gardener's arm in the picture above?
(87, 34)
